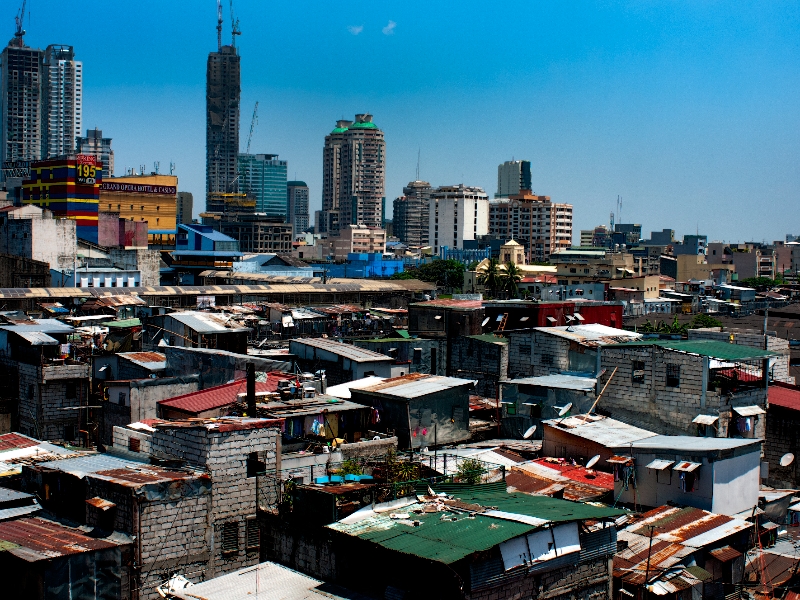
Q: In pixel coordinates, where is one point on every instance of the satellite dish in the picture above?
(592, 461)
(564, 409)
(787, 459)
(527, 435)
(485, 321)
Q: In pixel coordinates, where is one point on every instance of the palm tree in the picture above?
(511, 279)
(490, 276)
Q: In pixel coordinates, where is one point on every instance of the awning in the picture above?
(748, 411)
(686, 466)
(36, 338)
(768, 525)
(705, 419)
(619, 460)
(551, 319)
(725, 554)
(660, 465)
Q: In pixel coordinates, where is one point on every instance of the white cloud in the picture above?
(389, 29)
(355, 29)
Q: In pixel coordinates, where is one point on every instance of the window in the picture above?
(69, 433)
(254, 465)
(637, 371)
(134, 444)
(121, 398)
(417, 356)
(253, 535)
(230, 537)
(71, 390)
(673, 375)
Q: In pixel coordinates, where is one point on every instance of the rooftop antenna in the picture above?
(234, 27)
(219, 25)
(171, 168)
(20, 32)
(418, 153)
(156, 166)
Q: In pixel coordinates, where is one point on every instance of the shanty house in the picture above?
(423, 410)
(343, 362)
(715, 474)
(194, 329)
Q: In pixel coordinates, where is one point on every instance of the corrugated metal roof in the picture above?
(706, 419)
(9, 441)
(92, 463)
(265, 581)
(784, 396)
(343, 389)
(689, 526)
(354, 353)
(451, 304)
(710, 348)
(659, 464)
(16, 512)
(155, 361)
(37, 338)
(205, 322)
(221, 395)
(687, 443)
(601, 430)
(592, 333)
(564, 382)
(34, 539)
(725, 554)
(748, 411)
(416, 385)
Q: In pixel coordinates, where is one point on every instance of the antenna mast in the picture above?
(252, 127)
(219, 25)
(418, 152)
(19, 32)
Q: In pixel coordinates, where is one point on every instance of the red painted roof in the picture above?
(784, 395)
(12, 441)
(222, 395)
(590, 476)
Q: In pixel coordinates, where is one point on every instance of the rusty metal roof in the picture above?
(450, 303)
(155, 361)
(10, 441)
(725, 554)
(34, 539)
(689, 526)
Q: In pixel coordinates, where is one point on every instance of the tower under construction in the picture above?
(222, 114)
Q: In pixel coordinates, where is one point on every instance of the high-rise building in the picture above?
(412, 214)
(540, 225)
(513, 176)
(95, 144)
(297, 204)
(20, 102)
(353, 175)
(457, 213)
(184, 208)
(222, 119)
(263, 177)
(62, 99)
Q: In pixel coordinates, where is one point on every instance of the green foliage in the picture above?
(489, 276)
(351, 467)
(511, 278)
(704, 321)
(762, 283)
(444, 273)
(470, 471)
(663, 327)
(473, 265)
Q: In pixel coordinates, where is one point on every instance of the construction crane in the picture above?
(20, 32)
(219, 25)
(252, 127)
(234, 27)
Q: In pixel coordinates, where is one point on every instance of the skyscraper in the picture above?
(95, 144)
(513, 176)
(263, 176)
(222, 119)
(20, 101)
(411, 214)
(62, 99)
(353, 176)
(297, 205)
(457, 213)
(539, 224)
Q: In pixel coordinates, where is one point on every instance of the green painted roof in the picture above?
(488, 337)
(339, 129)
(710, 348)
(123, 323)
(360, 125)
(403, 333)
(449, 541)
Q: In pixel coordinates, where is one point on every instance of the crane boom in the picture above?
(234, 27)
(219, 25)
(252, 127)
(19, 20)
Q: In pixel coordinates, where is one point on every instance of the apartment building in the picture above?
(457, 213)
(541, 225)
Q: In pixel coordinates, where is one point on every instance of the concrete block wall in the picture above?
(482, 360)
(526, 350)
(122, 435)
(753, 339)
(782, 436)
(42, 395)
(666, 410)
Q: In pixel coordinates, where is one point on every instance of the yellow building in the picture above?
(152, 198)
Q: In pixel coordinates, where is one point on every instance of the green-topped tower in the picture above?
(353, 176)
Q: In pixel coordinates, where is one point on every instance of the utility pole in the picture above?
(649, 550)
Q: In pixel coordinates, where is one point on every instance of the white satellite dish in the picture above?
(592, 461)
(563, 409)
(787, 459)
(485, 321)
(527, 435)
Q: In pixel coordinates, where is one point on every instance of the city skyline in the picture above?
(688, 112)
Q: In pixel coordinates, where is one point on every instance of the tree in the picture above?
(444, 273)
(511, 279)
(490, 276)
(703, 321)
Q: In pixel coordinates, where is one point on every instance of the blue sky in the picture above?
(686, 109)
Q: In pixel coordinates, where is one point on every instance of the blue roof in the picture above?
(207, 232)
(207, 253)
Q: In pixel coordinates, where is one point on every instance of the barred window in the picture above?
(637, 371)
(230, 537)
(673, 375)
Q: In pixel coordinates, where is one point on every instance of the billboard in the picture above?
(86, 169)
(17, 168)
